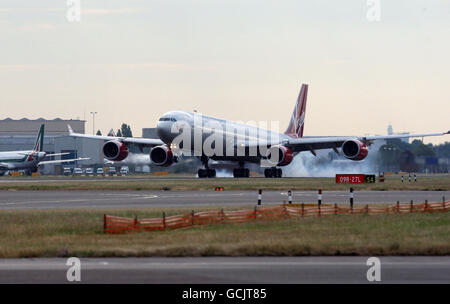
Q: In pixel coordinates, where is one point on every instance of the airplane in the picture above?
(29, 160)
(247, 144)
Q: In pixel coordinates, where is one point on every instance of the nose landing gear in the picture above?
(207, 172)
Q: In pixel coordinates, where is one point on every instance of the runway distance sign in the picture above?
(350, 178)
(369, 178)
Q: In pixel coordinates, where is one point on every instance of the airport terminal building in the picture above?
(21, 135)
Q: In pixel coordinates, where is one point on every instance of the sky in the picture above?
(244, 60)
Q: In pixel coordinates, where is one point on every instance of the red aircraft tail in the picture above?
(297, 123)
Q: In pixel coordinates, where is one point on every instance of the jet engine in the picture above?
(162, 156)
(354, 149)
(115, 150)
(279, 155)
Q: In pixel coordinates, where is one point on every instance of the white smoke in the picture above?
(307, 165)
(223, 173)
(138, 159)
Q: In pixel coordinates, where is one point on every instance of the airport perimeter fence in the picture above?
(120, 225)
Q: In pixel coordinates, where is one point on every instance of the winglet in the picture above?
(70, 129)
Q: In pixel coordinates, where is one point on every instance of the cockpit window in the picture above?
(167, 119)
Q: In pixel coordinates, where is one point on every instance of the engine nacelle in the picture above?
(354, 149)
(162, 156)
(115, 150)
(279, 155)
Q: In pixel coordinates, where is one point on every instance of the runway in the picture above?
(47, 179)
(238, 270)
(76, 199)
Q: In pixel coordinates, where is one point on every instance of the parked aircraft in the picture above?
(29, 160)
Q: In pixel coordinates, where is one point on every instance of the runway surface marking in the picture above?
(159, 199)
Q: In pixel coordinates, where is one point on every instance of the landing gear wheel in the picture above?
(204, 173)
(279, 173)
(207, 172)
(201, 173)
(211, 172)
(273, 172)
(241, 172)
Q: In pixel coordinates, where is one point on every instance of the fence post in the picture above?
(164, 220)
(415, 178)
(367, 209)
(319, 197)
(222, 215)
(443, 206)
(254, 214)
(303, 209)
(398, 207)
(319, 209)
(335, 209)
(411, 206)
(285, 212)
(192, 217)
(259, 196)
(426, 206)
(290, 197)
(402, 179)
(104, 223)
(409, 177)
(351, 199)
(135, 223)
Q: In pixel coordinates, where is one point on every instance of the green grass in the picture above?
(431, 183)
(55, 233)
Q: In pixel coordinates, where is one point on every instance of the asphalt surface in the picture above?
(90, 178)
(240, 270)
(75, 199)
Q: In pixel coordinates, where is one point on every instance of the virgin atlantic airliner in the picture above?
(223, 140)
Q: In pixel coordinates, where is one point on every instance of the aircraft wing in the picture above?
(145, 142)
(56, 154)
(57, 161)
(5, 166)
(317, 143)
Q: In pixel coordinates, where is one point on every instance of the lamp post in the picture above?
(93, 122)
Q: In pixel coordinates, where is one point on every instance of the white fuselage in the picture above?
(204, 129)
(13, 160)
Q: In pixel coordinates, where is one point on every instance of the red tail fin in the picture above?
(297, 123)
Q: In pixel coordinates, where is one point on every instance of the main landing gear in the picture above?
(273, 172)
(241, 171)
(207, 172)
